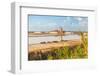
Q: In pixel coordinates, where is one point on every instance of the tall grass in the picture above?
(80, 51)
(84, 43)
(73, 52)
(68, 53)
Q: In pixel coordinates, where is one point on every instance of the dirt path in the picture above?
(44, 47)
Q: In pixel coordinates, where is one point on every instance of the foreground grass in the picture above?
(75, 52)
(72, 52)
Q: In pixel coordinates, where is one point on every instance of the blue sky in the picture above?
(49, 23)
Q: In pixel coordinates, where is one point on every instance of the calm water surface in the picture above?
(34, 40)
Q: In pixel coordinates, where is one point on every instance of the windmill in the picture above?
(61, 33)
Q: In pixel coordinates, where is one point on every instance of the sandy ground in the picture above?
(47, 46)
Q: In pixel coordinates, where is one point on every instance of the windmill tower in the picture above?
(61, 33)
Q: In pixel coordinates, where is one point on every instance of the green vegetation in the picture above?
(72, 52)
(84, 43)
(75, 52)
(68, 53)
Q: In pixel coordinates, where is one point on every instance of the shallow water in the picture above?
(34, 40)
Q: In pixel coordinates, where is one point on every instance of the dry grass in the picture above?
(46, 46)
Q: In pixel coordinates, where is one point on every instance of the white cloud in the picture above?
(79, 18)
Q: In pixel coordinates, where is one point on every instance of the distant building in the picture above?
(53, 32)
(37, 32)
(68, 33)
